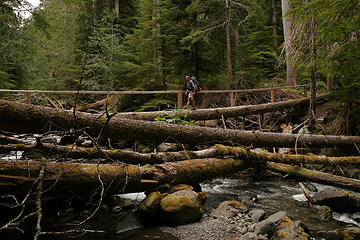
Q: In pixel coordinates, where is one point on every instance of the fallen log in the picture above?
(218, 113)
(97, 104)
(30, 118)
(217, 151)
(125, 156)
(16, 177)
(315, 176)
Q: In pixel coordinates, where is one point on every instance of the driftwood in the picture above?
(316, 176)
(16, 177)
(219, 113)
(217, 151)
(25, 118)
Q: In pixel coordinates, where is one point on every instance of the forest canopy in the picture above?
(153, 44)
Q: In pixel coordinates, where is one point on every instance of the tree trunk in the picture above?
(116, 6)
(316, 176)
(158, 50)
(218, 113)
(84, 179)
(25, 118)
(274, 22)
(288, 26)
(313, 70)
(228, 46)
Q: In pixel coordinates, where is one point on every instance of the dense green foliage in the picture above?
(153, 44)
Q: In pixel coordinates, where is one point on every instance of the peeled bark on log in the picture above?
(218, 113)
(316, 176)
(30, 118)
(16, 177)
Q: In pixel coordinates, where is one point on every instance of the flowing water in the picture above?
(272, 195)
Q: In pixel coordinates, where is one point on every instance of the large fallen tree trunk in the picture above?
(316, 176)
(217, 151)
(17, 177)
(22, 117)
(218, 113)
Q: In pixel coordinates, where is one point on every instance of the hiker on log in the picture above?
(190, 91)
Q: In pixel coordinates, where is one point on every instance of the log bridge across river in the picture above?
(178, 93)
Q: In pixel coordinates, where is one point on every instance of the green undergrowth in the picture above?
(175, 118)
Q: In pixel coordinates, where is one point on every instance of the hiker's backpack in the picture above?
(196, 84)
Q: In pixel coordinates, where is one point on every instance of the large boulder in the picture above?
(150, 206)
(289, 230)
(229, 208)
(338, 200)
(181, 207)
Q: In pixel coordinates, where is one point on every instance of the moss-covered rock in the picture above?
(287, 229)
(149, 207)
(180, 187)
(324, 212)
(181, 207)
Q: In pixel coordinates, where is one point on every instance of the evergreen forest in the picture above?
(153, 44)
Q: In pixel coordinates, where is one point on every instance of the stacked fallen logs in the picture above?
(123, 176)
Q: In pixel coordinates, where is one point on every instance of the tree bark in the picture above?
(228, 44)
(274, 22)
(116, 6)
(288, 26)
(84, 179)
(218, 113)
(25, 118)
(313, 69)
(316, 176)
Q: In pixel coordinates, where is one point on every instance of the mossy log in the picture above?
(30, 118)
(315, 176)
(17, 177)
(125, 156)
(217, 151)
(218, 113)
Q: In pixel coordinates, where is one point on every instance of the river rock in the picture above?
(268, 226)
(181, 207)
(180, 187)
(249, 236)
(341, 234)
(289, 230)
(257, 215)
(150, 206)
(337, 199)
(229, 208)
(324, 212)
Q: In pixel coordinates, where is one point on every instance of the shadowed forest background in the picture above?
(153, 44)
